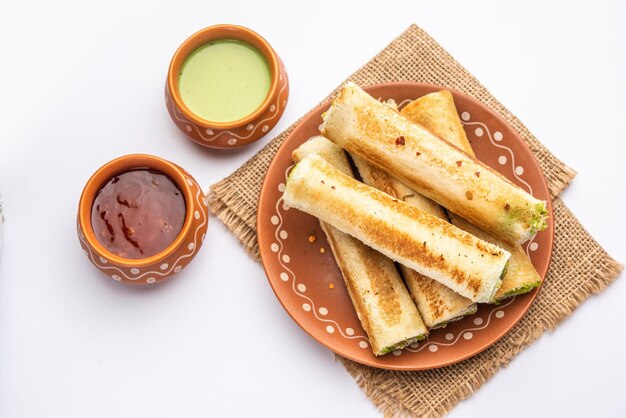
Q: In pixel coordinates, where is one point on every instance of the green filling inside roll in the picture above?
(402, 344)
(519, 291)
(470, 311)
(539, 220)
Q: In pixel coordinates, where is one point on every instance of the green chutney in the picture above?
(224, 80)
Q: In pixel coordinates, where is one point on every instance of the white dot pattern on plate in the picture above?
(208, 131)
(164, 266)
(150, 280)
(191, 246)
(188, 128)
(134, 270)
(116, 277)
(196, 214)
(177, 269)
(232, 141)
(274, 247)
(103, 260)
(249, 126)
(273, 107)
(504, 156)
(265, 128)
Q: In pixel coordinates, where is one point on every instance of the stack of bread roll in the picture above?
(453, 224)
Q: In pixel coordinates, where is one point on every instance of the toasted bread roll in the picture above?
(431, 166)
(437, 113)
(380, 298)
(437, 303)
(423, 242)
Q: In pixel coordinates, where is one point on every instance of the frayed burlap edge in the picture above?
(229, 210)
(381, 390)
(237, 211)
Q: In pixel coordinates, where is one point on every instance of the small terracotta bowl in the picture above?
(227, 134)
(169, 261)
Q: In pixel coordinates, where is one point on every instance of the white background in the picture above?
(83, 83)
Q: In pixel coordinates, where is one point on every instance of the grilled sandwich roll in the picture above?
(437, 113)
(431, 166)
(435, 248)
(437, 303)
(380, 298)
(520, 276)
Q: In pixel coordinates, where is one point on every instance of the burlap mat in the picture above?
(579, 267)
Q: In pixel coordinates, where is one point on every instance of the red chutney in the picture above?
(138, 214)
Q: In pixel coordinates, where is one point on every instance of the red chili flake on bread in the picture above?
(418, 153)
(477, 173)
(332, 187)
(507, 207)
(322, 181)
(459, 163)
(400, 140)
(469, 195)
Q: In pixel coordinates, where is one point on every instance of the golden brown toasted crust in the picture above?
(437, 113)
(374, 177)
(380, 298)
(431, 166)
(422, 241)
(436, 303)
(520, 276)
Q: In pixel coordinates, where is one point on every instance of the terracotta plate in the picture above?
(303, 276)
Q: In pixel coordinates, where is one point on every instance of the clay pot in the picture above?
(236, 133)
(172, 259)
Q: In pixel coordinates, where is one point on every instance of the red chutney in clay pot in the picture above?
(138, 214)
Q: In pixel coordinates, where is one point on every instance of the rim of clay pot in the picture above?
(211, 33)
(121, 165)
